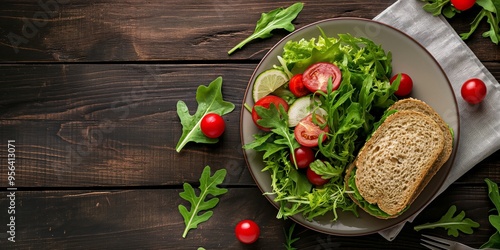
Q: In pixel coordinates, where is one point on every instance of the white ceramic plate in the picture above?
(430, 85)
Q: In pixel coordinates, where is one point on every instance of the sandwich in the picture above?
(399, 159)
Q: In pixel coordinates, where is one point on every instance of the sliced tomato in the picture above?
(266, 103)
(316, 77)
(296, 86)
(307, 132)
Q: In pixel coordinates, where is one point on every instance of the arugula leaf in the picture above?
(326, 170)
(276, 19)
(277, 119)
(209, 101)
(208, 187)
(490, 10)
(494, 195)
(288, 238)
(437, 7)
(452, 223)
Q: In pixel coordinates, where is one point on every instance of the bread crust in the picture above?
(379, 182)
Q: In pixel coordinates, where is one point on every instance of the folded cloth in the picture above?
(479, 124)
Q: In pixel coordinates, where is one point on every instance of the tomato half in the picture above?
(405, 85)
(314, 178)
(247, 231)
(307, 133)
(463, 4)
(296, 86)
(266, 103)
(316, 76)
(212, 125)
(473, 91)
(303, 156)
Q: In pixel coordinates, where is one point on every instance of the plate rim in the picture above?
(451, 160)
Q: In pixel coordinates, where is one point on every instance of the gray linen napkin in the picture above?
(479, 124)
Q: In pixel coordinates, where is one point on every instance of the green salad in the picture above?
(331, 94)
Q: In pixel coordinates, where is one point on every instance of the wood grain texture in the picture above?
(89, 93)
(148, 219)
(114, 125)
(164, 30)
(159, 30)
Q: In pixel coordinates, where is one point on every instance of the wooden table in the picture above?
(89, 90)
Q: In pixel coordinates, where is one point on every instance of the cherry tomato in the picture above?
(266, 102)
(247, 231)
(296, 86)
(405, 85)
(307, 133)
(463, 4)
(303, 156)
(316, 76)
(473, 91)
(212, 125)
(314, 178)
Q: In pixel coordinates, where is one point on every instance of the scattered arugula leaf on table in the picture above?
(438, 7)
(489, 10)
(288, 238)
(209, 101)
(452, 223)
(208, 187)
(276, 19)
(494, 195)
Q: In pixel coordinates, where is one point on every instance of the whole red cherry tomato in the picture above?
(463, 4)
(212, 125)
(405, 85)
(247, 231)
(473, 91)
(315, 179)
(303, 156)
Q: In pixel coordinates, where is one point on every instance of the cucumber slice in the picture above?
(302, 107)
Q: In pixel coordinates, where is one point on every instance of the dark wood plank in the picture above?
(116, 124)
(149, 219)
(165, 30)
(140, 219)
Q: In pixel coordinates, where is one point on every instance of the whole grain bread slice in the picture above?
(420, 106)
(397, 158)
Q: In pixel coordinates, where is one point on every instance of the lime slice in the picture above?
(267, 82)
